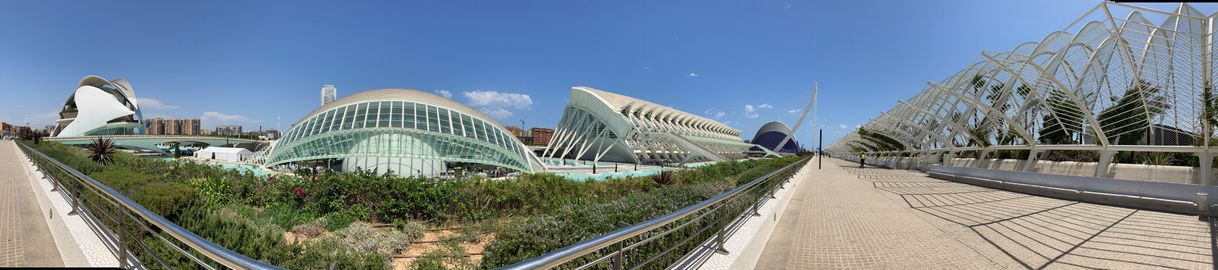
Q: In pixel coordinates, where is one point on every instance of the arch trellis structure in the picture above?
(1119, 78)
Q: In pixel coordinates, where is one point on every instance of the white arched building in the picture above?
(100, 107)
(602, 126)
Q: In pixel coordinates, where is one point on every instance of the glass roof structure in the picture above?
(408, 132)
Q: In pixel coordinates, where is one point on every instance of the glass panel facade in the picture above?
(361, 112)
(336, 134)
(445, 123)
(433, 121)
(395, 116)
(408, 116)
(420, 116)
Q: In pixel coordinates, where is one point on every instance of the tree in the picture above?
(1063, 112)
(1127, 121)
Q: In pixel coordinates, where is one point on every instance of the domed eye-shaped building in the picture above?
(100, 107)
(407, 132)
(771, 134)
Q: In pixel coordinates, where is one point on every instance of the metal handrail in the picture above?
(198, 244)
(572, 252)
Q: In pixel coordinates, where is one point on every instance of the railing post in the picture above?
(75, 203)
(617, 259)
(122, 247)
(721, 238)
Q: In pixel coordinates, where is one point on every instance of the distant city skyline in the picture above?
(739, 63)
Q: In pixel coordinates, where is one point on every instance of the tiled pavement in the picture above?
(25, 239)
(873, 218)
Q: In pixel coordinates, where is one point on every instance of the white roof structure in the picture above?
(100, 107)
(226, 150)
(1107, 82)
(599, 125)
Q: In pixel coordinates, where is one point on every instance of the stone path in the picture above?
(872, 218)
(25, 239)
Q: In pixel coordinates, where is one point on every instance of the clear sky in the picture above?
(263, 63)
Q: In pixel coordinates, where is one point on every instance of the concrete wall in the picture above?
(1152, 173)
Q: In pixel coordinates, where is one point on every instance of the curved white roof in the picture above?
(774, 126)
(617, 102)
(96, 108)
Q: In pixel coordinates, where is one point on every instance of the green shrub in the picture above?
(164, 198)
(575, 223)
(122, 180)
(214, 191)
(361, 237)
(337, 220)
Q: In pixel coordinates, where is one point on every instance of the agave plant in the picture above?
(663, 179)
(101, 150)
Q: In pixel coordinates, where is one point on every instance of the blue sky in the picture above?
(263, 62)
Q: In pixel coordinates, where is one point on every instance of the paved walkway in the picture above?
(25, 239)
(873, 218)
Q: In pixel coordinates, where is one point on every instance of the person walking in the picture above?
(862, 158)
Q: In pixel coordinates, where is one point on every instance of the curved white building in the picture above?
(603, 126)
(407, 132)
(100, 107)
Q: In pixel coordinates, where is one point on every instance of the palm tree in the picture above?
(102, 151)
(1128, 119)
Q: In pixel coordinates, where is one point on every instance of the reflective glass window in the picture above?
(445, 123)
(408, 115)
(467, 126)
(374, 110)
(420, 116)
(358, 120)
(433, 119)
(395, 115)
(338, 118)
(325, 122)
(482, 131)
(476, 128)
(385, 115)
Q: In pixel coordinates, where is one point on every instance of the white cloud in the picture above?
(154, 104)
(212, 119)
(497, 112)
(765, 106)
(750, 111)
(691, 74)
(40, 119)
(496, 104)
(720, 114)
(795, 111)
(842, 126)
(497, 99)
(445, 93)
(858, 126)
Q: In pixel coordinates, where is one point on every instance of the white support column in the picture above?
(1030, 165)
(1101, 167)
(1206, 169)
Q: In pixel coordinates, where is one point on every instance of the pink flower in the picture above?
(299, 192)
(271, 179)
